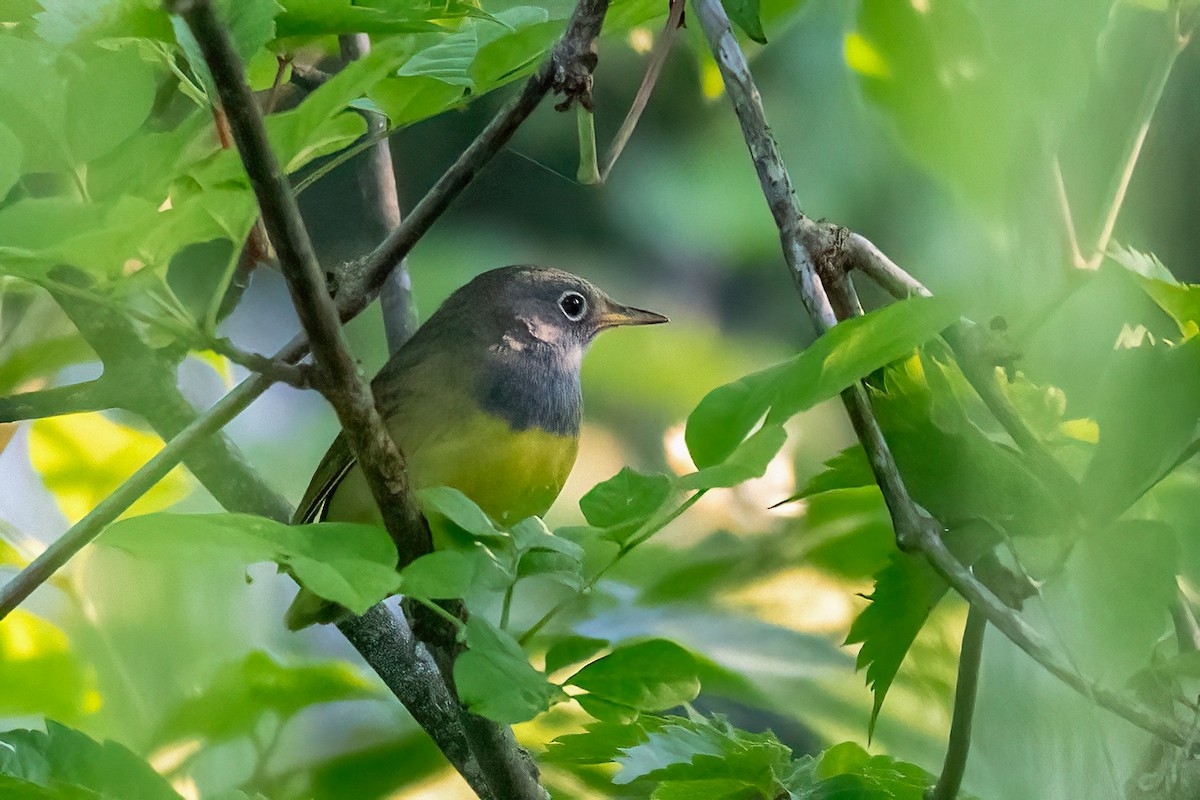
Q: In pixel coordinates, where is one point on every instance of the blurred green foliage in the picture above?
(674, 629)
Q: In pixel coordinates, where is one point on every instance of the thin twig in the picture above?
(81, 533)
(93, 395)
(1178, 40)
(805, 244)
(298, 376)
(1068, 218)
(377, 181)
(955, 763)
(658, 57)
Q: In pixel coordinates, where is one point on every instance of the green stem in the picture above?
(955, 764)
(441, 612)
(589, 169)
(652, 526)
(506, 607)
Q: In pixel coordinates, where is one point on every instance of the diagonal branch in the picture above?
(808, 245)
(507, 775)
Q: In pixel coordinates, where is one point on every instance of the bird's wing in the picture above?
(338, 461)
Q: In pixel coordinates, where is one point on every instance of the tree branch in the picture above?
(807, 244)
(94, 395)
(349, 394)
(377, 181)
(955, 764)
(386, 643)
(142, 379)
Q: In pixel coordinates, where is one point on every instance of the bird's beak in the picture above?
(616, 315)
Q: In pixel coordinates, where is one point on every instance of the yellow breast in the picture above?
(510, 474)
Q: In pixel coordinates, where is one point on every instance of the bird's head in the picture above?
(532, 307)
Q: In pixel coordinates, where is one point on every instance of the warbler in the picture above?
(484, 398)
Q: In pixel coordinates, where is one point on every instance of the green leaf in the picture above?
(843, 355)
(33, 103)
(950, 465)
(1136, 450)
(650, 676)
(700, 752)
(62, 756)
(496, 680)
(40, 673)
(62, 22)
(352, 565)
(571, 650)
(99, 237)
(905, 592)
(10, 160)
(458, 509)
(235, 700)
(109, 96)
(848, 532)
(601, 742)
(440, 575)
(746, 15)
(1115, 624)
(606, 710)
(749, 460)
(1180, 301)
(337, 17)
(848, 469)
(848, 771)
(17, 789)
(625, 501)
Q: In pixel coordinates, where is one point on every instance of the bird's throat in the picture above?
(534, 387)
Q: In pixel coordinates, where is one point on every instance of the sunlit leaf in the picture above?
(40, 673)
(846, 770)
(688, 752)
(82, 458)
(352, 565)
(1180, 301)
(571, 650)
(840, 357)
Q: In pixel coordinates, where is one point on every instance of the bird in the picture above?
(484, 398)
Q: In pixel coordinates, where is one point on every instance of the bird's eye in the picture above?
(573, 305)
